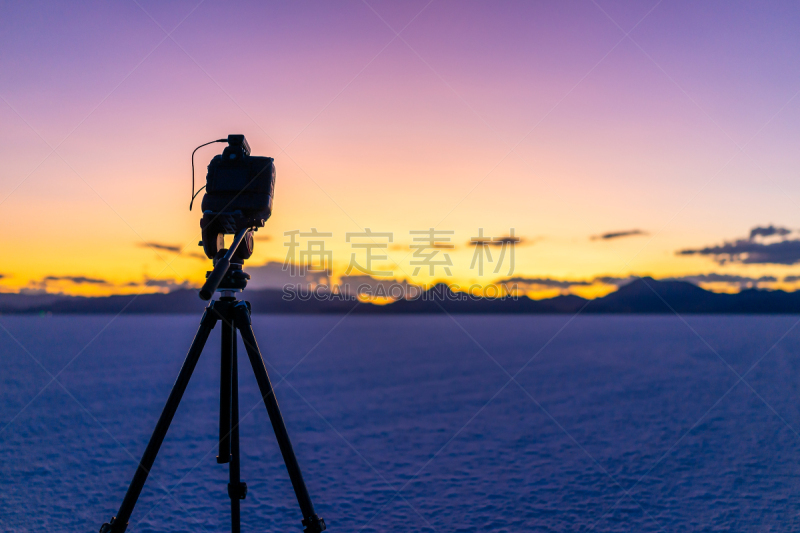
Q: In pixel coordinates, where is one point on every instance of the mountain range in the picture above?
(643, 295)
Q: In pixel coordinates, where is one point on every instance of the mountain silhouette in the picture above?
(641, 296)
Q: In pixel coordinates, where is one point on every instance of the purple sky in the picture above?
(538, 116)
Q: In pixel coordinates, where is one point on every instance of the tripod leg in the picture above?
(228, 339)
(313, 523)
(119, 523)
(236, 489)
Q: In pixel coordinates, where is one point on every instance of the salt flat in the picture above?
(613, 423)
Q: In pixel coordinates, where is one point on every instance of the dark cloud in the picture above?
(696, 279)
(739, 281)
(35, 291)
(160, 246)
(619, 234)
(616, 281)
(745, 251)
(169, 284)
(45, 283)
(172, 248)
(721, 278)
(791, 279)
(262, 238)
(276, 275)
(768, 231)
(497, 241)
(76, 279)
(545, 282)
(567, 283)
(752, 251)
(2, 276)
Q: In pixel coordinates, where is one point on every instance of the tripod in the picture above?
(234, 315)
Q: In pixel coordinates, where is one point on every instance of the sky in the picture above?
(614, 139)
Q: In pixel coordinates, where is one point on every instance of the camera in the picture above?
(238, 200)
(239, 191)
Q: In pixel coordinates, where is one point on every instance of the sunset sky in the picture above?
(675, 124)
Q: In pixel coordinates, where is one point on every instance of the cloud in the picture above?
(172, 248)
(568, 284)
(545, 282)
(619, 234)
(35, 290)
(169, 284)
(745, 251)
(160, 246)
(273, 275)
(2, 276)
(791, 279)
(696, 279)
(615, 281)
(262, 238)
(752, 250)
(721, 278)
(76, 279)
(497, 241)
(729, 279)
(768, 231)
(44, 285)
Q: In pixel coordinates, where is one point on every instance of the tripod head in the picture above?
(227, 273)
(238, 200)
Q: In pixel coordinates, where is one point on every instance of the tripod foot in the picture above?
(314, 524)
(112, 527)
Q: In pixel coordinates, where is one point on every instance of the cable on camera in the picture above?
(194, 194)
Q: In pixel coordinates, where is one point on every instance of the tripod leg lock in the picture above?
(313, 524)
(237, 490)
(112, 527)
(209, 320)
(242, 312)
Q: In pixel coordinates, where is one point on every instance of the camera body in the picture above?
(239, 192)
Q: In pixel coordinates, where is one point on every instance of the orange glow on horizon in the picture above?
(515, 118)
